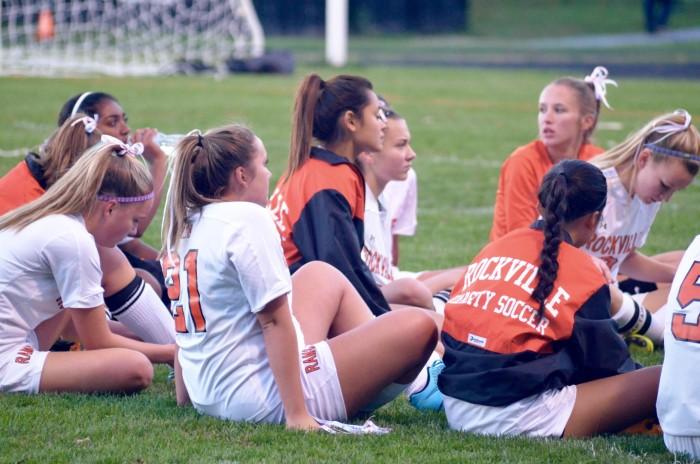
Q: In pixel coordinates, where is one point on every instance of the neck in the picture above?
(91, 221)
(564, 151)
(375, 184)
(625, 172)
(344, 148)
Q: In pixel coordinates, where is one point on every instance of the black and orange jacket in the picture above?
(319, 213)
(22, 184)
(498, 350)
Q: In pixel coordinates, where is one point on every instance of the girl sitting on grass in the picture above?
(50, 273)
(243, 356)
(529, 345)
(568, 114)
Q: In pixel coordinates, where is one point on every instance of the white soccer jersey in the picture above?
(624, 226)
(400, 198)
(678, 403)
(50, 264)
(376, 252)
(228, 269)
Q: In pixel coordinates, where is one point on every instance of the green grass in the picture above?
(464, 123)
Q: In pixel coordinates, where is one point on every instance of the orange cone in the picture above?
(45, 26)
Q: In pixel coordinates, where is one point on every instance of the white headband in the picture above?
(599, 79)
(79, 102)
(89, 123)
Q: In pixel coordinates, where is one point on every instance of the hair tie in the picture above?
(78, 103)
(89, 123)
(135, 149)
(668, 128)
(599, 79)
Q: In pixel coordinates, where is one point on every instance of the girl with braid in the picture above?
(529, 345)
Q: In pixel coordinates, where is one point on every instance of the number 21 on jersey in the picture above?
(684, 326)
(187, 306)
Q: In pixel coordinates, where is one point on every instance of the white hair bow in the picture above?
(135, 149)
(671, 127)
(89, 123)
(599, 79)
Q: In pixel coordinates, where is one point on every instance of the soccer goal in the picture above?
(125, 37)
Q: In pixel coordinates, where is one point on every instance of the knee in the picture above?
(423, 328)
(414, 293)
(139, 374)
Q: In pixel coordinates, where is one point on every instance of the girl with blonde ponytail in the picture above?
(642, 172)
(50, 272)
(250, 348)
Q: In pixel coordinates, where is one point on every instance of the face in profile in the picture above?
(394, 161)
(258, 175)
(369, 135)
(119, 220)
(112, 119)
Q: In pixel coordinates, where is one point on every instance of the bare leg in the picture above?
(653, 301)
(393, 348)
(440, 280)
(325, 303)
(670, 257)
(614, 403)
(408, 291)
(114, 370)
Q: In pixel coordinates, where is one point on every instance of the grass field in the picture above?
(464, 123)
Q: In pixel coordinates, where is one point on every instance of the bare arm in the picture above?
(641, 267)
(158, 165)
(181, 395)
(281, 346)
(94, 334)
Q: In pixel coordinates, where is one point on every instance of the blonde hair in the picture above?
(64, 146)
(202, 168)
(100, 171)
(685, 140)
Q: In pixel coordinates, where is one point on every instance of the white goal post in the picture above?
(125, 37)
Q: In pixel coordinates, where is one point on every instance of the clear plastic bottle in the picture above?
(167, 142)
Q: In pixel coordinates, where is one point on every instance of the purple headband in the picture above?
(669, 152)
(136, 199)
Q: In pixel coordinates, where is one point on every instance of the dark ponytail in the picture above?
(317, 107)
(570, 190)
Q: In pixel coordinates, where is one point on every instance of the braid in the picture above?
(555, 208)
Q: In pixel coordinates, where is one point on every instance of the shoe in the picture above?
(429, 398)
(641, 341)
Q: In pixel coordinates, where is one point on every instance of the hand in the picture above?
(151, 150)
(302, 422)
(604, 269)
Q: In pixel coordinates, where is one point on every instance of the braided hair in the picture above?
(570, 190)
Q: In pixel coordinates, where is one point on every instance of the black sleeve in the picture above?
(326, 231)
(596, 349)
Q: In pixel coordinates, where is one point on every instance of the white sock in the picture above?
(147, 317)
(421, 380)
(633, 317)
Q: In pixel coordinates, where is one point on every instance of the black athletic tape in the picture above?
(125, 298)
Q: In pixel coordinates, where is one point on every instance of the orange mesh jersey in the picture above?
(518, 184)
(319, 212)
(499, 350)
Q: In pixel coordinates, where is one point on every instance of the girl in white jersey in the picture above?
(393, 163)
(242, 354)
(50, 271)
(643, 171)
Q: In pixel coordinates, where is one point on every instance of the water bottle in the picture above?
(167, 142)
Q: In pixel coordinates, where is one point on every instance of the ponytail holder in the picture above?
(89, 123)
(135, 149)
(671, 127)
(599, 79)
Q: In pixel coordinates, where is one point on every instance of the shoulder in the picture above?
(588, 151)
(529, 155)
(235, 213)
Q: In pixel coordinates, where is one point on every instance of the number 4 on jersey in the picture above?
(192, 306)
(683, 327)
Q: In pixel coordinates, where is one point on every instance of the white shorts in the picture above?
(320, 386)
(319, 380)
(21, 366)
(682, 444)
(542, 415)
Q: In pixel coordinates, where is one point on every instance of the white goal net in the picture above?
(125, 37)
